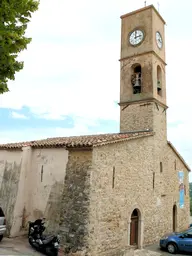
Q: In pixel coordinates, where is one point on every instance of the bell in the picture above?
(137, 84)
(158, 85)
(137, 81)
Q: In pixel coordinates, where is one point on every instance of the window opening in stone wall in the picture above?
(174, 218)
(153, 180)
(161, 167)
(42, 173)
(113, 181)
(159, 81)
(136, 78)
(175, 165)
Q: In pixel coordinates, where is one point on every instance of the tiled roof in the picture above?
(78, 141)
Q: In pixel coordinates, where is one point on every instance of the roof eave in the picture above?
(179, 156)
(123, 139)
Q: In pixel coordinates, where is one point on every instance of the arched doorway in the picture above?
(134, 228)
(174, 218)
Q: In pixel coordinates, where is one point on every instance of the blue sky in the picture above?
(70, 81)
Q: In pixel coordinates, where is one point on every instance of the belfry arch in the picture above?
(136, 78)
(159, 81)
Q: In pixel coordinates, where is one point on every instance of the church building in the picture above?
(105, 194)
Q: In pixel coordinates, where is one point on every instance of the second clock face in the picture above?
(159, 40)
(136, 37)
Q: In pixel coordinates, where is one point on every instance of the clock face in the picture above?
(136, 37)
(159, 40)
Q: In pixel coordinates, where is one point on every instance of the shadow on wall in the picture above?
(51, 212)
(8, 191)
(53, 208)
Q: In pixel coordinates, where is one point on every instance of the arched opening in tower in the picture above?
(136, 78)
(159, 81)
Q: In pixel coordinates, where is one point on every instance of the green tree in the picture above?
(14, 17)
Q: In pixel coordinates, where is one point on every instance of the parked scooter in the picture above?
(48, 245)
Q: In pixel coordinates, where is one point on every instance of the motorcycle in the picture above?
(48, 245)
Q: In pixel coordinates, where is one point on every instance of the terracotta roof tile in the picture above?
(78, 141)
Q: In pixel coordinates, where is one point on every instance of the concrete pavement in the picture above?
(17, 246)
(155, 248)
(20, 246)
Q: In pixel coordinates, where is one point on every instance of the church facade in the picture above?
(107, 193)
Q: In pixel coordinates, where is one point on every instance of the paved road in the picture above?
(20, 246)
(155, 248)
(17, 246)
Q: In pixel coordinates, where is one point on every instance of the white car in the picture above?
(2, 224)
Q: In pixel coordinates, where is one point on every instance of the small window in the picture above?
(42, 173)
(113, 181)
(161, 167)
(153, 180)
(175, 165)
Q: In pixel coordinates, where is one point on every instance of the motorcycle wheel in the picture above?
(52, 251)
(30, 242)
(36, 247)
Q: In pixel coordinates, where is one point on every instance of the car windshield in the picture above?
(186, 230)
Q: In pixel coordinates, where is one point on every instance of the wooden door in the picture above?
(134, 231)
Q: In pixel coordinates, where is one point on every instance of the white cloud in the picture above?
(71, 66)
(18, 115)
(51, 116)
(91, 96)
(26, 134)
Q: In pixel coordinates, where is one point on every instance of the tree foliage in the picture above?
(14, 17)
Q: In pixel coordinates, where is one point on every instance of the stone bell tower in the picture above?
(142, 84)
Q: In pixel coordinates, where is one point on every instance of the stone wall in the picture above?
(113, 199)
(89, 196)
(166, 167)
(136, 117)
(45, 181)
(75, 202)
(166, 194)
(112, 206)
(31, 186)
(172, 165)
